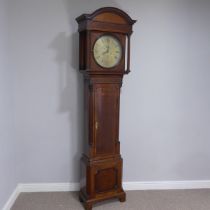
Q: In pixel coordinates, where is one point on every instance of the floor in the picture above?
(136, 200)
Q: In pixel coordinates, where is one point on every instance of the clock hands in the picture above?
(107, 50)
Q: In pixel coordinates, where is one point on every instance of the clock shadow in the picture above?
(70, 92)
(70, 80)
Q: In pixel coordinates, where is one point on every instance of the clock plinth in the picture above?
(105, 174)
(103, 36)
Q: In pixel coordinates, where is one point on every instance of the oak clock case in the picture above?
(104, 36)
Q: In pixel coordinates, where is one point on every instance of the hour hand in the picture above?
(107, 50)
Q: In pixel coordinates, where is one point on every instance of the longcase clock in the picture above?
(104, 47)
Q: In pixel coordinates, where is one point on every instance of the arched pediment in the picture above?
(109, 15)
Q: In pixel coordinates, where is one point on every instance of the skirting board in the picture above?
(62, 187)
(11, 199)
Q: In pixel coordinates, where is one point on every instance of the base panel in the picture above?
(89, 202)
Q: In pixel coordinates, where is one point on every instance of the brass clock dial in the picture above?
(107, 51)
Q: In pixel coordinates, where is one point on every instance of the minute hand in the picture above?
(107, 50)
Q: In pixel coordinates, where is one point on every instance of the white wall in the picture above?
(165, 116)
(165, 125)
(7, 143)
